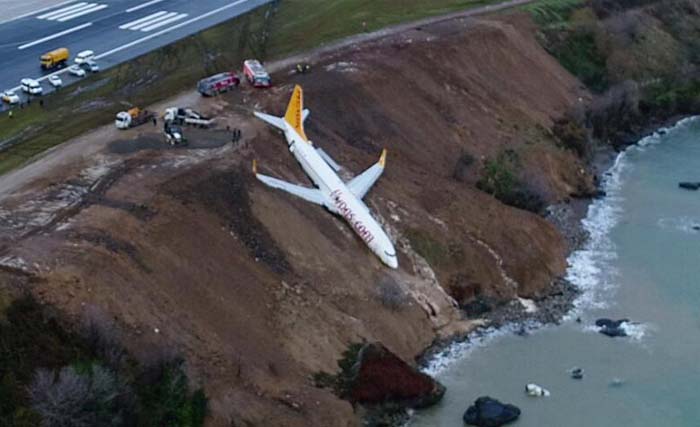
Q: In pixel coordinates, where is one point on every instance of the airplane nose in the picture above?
(392, 262)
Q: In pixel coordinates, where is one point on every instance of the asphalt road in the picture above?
(116, 30)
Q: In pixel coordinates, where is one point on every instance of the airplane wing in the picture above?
(274, 121)
(309, 194)
(361, 184)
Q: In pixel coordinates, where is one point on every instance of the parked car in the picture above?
(10, 97)
(76, 71)
(31, 86)
(84, 56)
(55, 81)
(92, 66)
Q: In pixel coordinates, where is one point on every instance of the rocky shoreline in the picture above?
(552, 308)
(567, 218)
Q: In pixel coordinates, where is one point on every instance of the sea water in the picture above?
(642, 262)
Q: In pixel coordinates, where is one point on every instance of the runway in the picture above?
(116, 30)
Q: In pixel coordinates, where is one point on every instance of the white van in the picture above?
(84, 56)
(31, 87)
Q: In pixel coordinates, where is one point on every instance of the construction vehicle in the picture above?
(256, 73)
(55, 59)
(186, 116)
(218, 83)
(132, 118)
(173, 134)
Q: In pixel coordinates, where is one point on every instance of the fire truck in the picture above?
(256, 73)
(218, 83)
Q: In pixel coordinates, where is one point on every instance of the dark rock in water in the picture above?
(612, 328)
(696, 227)
(381, 377)
(613, 332)
(577, 373)
(600, 193)
(689, 185)
(488, 412)
(605, 322)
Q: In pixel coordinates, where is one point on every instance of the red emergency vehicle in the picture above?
(256, 73)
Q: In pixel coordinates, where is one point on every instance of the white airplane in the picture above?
(344, 199)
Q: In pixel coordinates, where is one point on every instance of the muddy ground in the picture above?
(260, 290)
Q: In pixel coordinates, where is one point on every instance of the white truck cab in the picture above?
(84, 56)
(31, 87)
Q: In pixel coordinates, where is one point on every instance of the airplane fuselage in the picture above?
(339, 199)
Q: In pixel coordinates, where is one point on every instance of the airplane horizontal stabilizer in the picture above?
(362, 183)
(277, 122)
(309, 194)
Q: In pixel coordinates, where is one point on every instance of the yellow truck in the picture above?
(55, 59)
(132, 117)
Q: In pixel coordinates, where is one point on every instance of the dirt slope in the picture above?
(260, 290)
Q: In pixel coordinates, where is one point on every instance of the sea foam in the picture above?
(590, 268)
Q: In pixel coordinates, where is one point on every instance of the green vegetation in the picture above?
(269, 32)
(434, 252)
(304, 24)
(50, 374)
(571, 135)
(580, 55)
(572, 43)
(501, 181)
(682, 97)
(553, 13)
(640, 56)
(340, 382)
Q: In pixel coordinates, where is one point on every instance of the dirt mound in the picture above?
(260, 290)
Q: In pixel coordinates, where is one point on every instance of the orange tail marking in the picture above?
(295, 111)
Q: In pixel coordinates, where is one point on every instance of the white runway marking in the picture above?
(62, 11)
(128, 25)
(144, 39)
(153, 21)
(165, 22)
(55, 36)
(35, 12)
(83, 12)
(141, 6)
(167, 30)
(168, 15)
(72, 12)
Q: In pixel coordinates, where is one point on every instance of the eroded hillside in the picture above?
(260, 290)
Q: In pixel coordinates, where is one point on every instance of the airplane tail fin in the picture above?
(295, 112)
